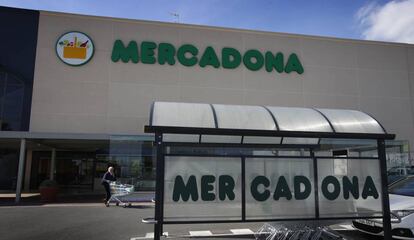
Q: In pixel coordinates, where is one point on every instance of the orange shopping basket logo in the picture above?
(75, 48)
(74, 51)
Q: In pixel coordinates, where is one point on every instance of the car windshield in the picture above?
(404, 187)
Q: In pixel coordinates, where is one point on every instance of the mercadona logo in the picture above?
(75, 48)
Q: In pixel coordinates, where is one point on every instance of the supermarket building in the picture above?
(76, 91)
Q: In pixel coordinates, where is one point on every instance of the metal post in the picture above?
(386, 221)
(53, 164)
(243, 187)
(20, 170)
(159, 188)
(316, 183)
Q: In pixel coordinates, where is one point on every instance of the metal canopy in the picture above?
(182, 122)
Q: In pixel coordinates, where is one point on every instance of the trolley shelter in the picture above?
(229, 163)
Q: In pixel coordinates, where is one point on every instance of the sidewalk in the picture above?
(13, 195)
(7, 199)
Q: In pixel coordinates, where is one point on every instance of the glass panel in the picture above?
(404, 188)
(210, 176)
(397, 154)
(2, 93)
(261, 140)
(134, 161)
(300, 141)
(14, 80)
(226, 151)
(180, 138)
(12, 104)
(349, 187)
(275, 171)
(182, 115)
(73, 169)
(220, 139)
(398, 160)
(2, 85)
(9, 161)
(300, 119)
(207, 151)
(352, 121)
(244, 117)
(295, 152)
(347, 147)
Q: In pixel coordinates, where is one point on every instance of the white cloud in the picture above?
(392, 22)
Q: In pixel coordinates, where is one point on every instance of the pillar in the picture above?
(28, 170)
(20, 171)
(53, 164)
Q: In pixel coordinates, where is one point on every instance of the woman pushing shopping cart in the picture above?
(115, 190)
(107, 178)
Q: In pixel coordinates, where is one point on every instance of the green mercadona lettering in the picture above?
(189, 55)
(330, 187)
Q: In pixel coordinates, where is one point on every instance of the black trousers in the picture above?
(108, 191)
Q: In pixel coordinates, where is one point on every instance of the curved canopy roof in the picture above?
(269, 118)
(201, 115)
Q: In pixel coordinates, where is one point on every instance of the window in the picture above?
(405, 187)
(11, 101)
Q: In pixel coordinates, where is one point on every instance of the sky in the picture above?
(383, 20)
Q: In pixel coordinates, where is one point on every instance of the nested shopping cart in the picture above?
(118, 191)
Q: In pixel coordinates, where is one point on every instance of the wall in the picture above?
(107, 97)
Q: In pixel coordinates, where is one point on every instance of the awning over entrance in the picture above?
(262, 118)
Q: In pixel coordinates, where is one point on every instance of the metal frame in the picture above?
(265, 133)
(160, 170)
(68, 136)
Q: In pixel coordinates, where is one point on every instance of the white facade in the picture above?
(115, 98)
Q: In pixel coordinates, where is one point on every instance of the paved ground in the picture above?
(94, 221)
(72, 221)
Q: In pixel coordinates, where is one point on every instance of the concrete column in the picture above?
(53, 164)
(20, 171)
(28, 170)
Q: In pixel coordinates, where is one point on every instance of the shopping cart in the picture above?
(119, 190)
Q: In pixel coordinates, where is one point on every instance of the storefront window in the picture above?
(9, 159)
(81, 164)
(75, 169)
(133, 160)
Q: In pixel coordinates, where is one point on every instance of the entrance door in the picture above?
(40, 168)
(74, 170)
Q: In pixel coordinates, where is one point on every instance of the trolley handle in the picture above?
(149, 220)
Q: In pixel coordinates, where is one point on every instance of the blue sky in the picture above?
(357, 19)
